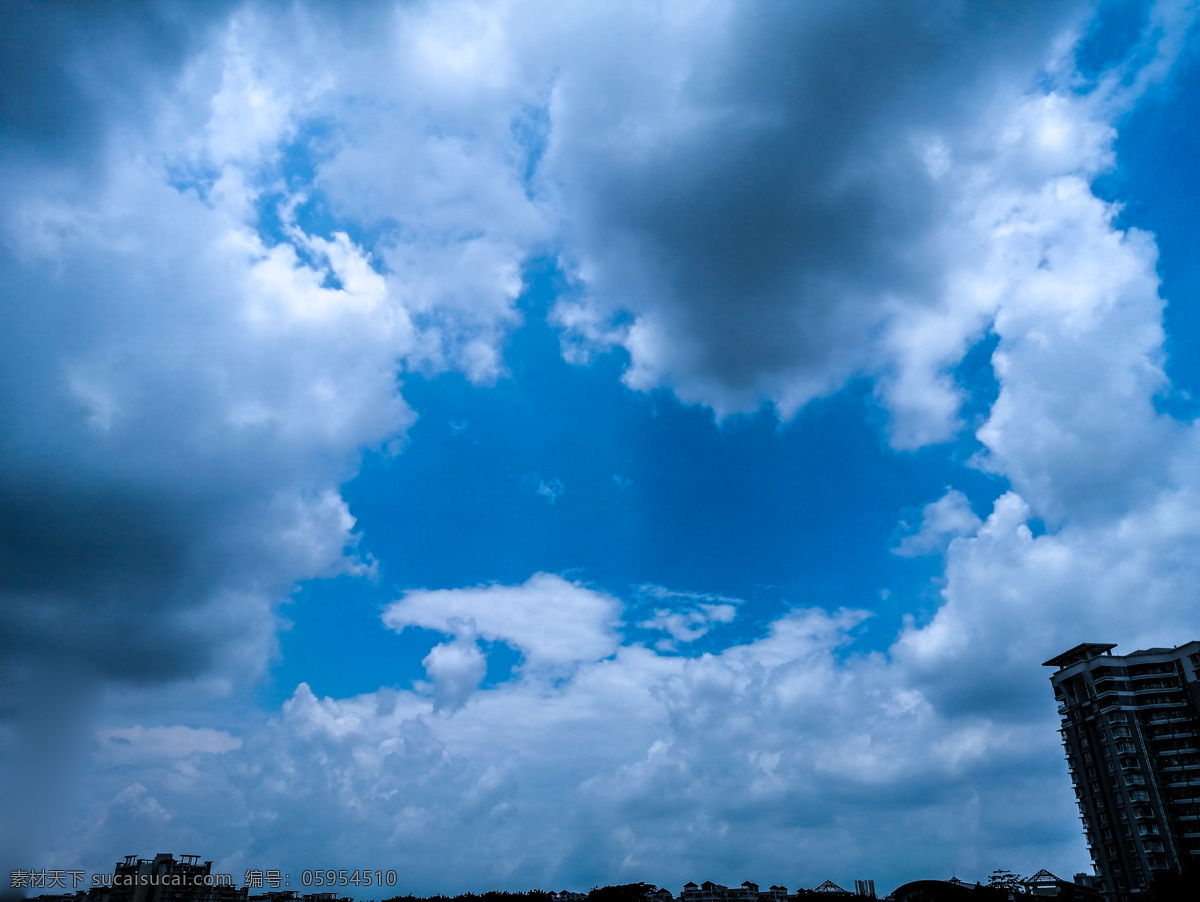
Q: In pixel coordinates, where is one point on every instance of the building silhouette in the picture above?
(1131, 730)
(1043, 883)
(164, 878)
(750, 892)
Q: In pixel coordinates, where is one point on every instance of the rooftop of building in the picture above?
(1082, 652)
(1087, 651)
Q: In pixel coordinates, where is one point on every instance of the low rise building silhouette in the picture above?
(164, 878)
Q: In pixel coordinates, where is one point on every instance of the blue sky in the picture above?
(527, 445)
(560, 468)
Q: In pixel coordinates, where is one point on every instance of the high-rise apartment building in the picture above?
(1131, 729)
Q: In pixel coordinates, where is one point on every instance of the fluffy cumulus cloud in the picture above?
(799, 196)
(778, 754)
(228, 233)
(196, 349)
(554, 623)
(941, 522)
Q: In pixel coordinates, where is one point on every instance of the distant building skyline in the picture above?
(165, 878)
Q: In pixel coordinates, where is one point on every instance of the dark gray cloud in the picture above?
(178, 400)
(183, 388)
(767, 204)
(96, 575)
(69, 68)
(135, 495)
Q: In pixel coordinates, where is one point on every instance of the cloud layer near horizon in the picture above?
(216, 282)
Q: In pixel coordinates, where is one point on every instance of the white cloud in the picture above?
(553, 622)
(689, 615)
(191, 367)
(139, 804)
(227, 416)
(133, 743)
(1079, 360)
(644, 766)
(457, 668)
(551, 489)
(181, 375)
(941, 521)
(1013, 600)
(768, 236)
